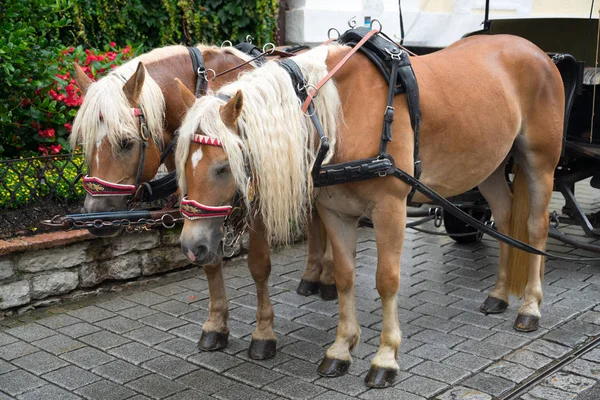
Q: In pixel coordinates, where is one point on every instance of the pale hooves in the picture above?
(380, 377)
(211, 341)
(493, 305)
(262, 349)
(328, 292)
(306, 288)
(331, 367)
(526, 323)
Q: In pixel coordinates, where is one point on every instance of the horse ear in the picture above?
(133, 87)
(186, 95)
(83, 81)
(231, 111)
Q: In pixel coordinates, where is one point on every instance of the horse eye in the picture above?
(223, 169)
(126, 144)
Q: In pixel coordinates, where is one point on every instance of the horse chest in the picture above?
(342, 200)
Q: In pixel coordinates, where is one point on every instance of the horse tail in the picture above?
(518, 260)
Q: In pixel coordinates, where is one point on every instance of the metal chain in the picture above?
(143, 224)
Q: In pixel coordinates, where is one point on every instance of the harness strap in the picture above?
(200, 70)
(335, 69)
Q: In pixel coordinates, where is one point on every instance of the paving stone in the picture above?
(438, 338)
(506, 340)
(472, 332)
(134, 353)
(87, 357)
(58, 344)
(511, 371)
(585, 368)
(241, 391)
(331, 395)
(593, 355)
(463, 393)
(30, 332)
(71, 377)
(294, 389)
(299, 369)
(441, 372)
(389, 394)
(120, 371)
(305, 351)
(169, 366)
(105, 390)
(58, 321)
(137, 312)
(119, 324)
(174, 308)
(437, 311)
(407, 361)
(156, 386)
(197, 317)
(162, 321)
(436, 324)
(91, 314)
(482, 349)
(283, 326)
(422, 386)
(315, 336)
(483, 321)
(329, 308)
(16, 350)
(49, 392)
(431, 352)
(79, 329)
(215, 361)
(486, 383)
(347, 384)
(253, 375)
(39, 363)
(292, 299)
(529, 359)
(6, 339)
(205, 381)
(547, 348)
(19, 381)
(547, 393)
(569, 382)
(148, 335)
(104, 340)
(191, 332)
(179, 347)
(189, 395)
(117, 304)
(466, 361)
(5, 367)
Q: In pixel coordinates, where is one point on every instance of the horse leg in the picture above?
(215, 332)
(327, 280)
(498, 195)
(342, 231)
(264, 341)
(389, 221)
(309, 284)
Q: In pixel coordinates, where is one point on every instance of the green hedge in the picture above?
(39, 40)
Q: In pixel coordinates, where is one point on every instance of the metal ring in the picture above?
(98, 223)
(329, 34)
(226, 41)
(144, 132)
(249, 38)
(379, 22)
(266, 46)
(352, 22)
(206, 74)
(167, 225)
(314, 96)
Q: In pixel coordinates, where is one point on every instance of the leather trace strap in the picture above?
(335, 69)
(193, 210)
(200, 70)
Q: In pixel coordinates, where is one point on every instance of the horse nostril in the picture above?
(201, 251)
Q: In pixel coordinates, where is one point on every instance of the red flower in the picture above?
(71, 49)
(112, 44)
(43, 150)
(56, 148)
(126, 50)
(47, 133)
(68, 126)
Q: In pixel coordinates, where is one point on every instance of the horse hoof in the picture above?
(331, 367)
(493, 305)
(211, 341)
(262, 349)
(328, 292)
(526, 323)
(380, 377)
(306, 288)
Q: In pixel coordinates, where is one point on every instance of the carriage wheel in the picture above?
(457, 228)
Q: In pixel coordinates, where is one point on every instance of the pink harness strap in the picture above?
(99, 187)
(192, 210)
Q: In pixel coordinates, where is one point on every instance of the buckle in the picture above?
(388, 115)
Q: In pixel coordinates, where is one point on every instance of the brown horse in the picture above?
(110, 135)
(484, 100)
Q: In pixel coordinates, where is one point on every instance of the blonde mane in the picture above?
(276, 138)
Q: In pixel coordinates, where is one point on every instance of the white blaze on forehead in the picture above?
(102, 132)
(196, 157)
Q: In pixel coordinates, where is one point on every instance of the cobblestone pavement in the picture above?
(141, 343)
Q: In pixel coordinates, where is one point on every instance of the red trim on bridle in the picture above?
(193, 210)
(210, 141)
(99, 187)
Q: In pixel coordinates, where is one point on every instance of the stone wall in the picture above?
(34, 270)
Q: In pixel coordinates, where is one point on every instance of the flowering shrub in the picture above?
(28, 181)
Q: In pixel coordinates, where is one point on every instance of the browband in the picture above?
(202, 139)
(99, 187)
(193, 210)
